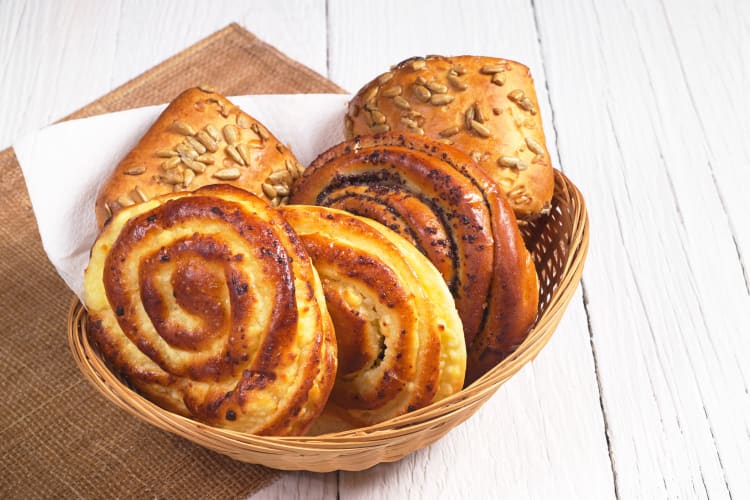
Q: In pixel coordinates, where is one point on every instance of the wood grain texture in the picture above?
(643, 391)
(666, 296)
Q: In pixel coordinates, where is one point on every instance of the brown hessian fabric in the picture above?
(58, 437)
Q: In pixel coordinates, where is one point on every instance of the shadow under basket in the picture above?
(558, 242)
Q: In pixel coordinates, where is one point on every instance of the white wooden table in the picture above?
(643, 391)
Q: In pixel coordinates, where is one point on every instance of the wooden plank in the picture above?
(542, 435)
(55, 56)
(667, 300)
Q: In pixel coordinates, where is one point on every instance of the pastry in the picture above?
(399, 337)
(201, 138)
(208, 305)
(440, 201)
(485, 106)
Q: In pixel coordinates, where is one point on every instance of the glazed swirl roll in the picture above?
(208, 304)
(400, 341)
(439, 200)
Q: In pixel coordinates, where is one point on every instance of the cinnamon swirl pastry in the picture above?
(435, 197)
(400, 341)
(208, 304)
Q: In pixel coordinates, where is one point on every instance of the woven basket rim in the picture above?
(271, 450)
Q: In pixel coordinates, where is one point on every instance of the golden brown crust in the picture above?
(436, 197)
(201, 138)
(399, 337)
(208, 304)
(485, 106)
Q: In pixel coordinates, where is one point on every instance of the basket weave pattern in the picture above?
(558, 242)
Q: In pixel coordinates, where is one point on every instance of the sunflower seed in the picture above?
(280, 147)
(244, 152)
(207, 88)
(441, 99)
(381, 128)
(476, 156)
(516, 95)
(409, 122)
(262, 132)
(418, 64)
(402, 103)
(281, 190)
(280, 177)
(243, 121)
(516, 191)
(213, 132)
(188, 177)
(137, 170)
(534, 146)
(447, 141)
(268, 190)
(166, 153)
(186, 151)
(392, 91)
(294, 170)
(480, 129)
(422, 93)
(479, 116)
(206, 159)
(449, 132)
(139, 194)
(368, 119)
(284, 200)
(232, 151)
(227, 174)
(377, 117)
(457, 83)
(194, 165)
(417, 131)
(437, 87)
(526, 104)
(182, 128)
(207, 141)
(370, 94)
(196, 144)
(496, 111)
(171, 177)
(459, 70)
(469, 116)
(491, 69)
(385, 78)
(420, 81)
(231, 134)
(498, 79)
(171, 163)
(276, 201)
(125, 201)
(108, 210)
(511, 162)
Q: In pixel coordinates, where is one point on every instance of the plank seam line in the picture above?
(583, 284)
(599, 387)
(328, 41)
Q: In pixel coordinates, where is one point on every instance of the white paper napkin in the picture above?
(65, 164)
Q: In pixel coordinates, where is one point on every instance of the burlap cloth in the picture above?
(58, 437)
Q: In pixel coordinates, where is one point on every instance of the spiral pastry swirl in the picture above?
(208, 304)
(439, 200)
(400, 341)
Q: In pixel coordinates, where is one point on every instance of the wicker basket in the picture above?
(558, 243)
